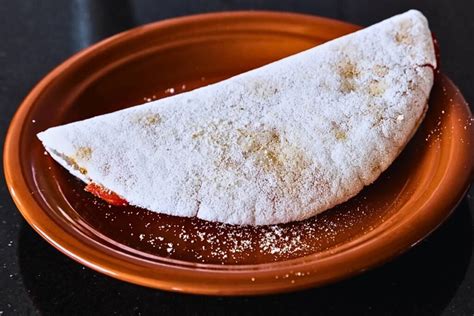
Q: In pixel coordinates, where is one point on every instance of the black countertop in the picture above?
(435, 277)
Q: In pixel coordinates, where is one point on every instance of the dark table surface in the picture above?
(435, 277)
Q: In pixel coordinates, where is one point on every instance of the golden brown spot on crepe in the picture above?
(73, 163)
(265, 149)
(376, 88)
(375, 167)
(264, 154)
(348, 72)
(219, 139)
(70, 160)
(148, 119)
(347, 86)
(152, 119)
(403, 36)
(83, 153)
(339, 133)
(272, 153)
(252, 142)
(197, 134)
(380, 70)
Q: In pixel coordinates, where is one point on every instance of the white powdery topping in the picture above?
(207, 242)
(277, 144)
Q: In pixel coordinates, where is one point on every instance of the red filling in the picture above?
(106, 195)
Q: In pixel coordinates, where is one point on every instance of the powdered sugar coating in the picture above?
(276, 144)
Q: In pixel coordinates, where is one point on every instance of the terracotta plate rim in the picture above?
(366, 252)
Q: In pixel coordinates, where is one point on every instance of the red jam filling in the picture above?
(106, 195)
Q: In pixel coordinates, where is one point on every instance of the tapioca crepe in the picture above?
(280, 143)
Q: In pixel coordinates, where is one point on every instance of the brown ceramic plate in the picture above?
(187, 255)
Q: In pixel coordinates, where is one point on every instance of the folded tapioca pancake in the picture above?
(280, 143)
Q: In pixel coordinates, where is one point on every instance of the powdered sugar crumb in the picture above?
(208, 242)
(169, 91)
